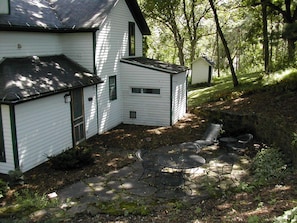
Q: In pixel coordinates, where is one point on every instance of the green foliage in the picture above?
(222, 88)
(3, 188)
(72, 159)
(289, 216)
(268, 166)
(117, 208)
(290, 31)
(27, 202)
(16, 177)
(254, 219)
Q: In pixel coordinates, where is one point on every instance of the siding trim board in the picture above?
(14, 137)
(2, 149)
(171, 98)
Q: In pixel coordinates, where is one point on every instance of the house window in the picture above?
(133, 114)
(136, 90)
(2, 150)
(131, 39)
(145, 90)
(112, 88)
(151, 91)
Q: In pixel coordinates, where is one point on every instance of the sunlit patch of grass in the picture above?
(26, 202)
(222, 88)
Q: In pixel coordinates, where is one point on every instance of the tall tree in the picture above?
(265, 37)
(183, 19)
(193, 22)
(288, 10)
(225, 44)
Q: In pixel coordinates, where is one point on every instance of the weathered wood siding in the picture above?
(112, 45)
(8, 165)
(43, 129)
(90, 108)
(151, 109)
(179, 96)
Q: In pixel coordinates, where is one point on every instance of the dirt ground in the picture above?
(111, 151)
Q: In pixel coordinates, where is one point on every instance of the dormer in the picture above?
(4, 7)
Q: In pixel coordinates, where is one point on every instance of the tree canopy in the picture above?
(260, 35)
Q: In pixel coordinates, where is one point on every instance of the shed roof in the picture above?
(28, 78)
(207, 60)
(155, 65)
(64, 15)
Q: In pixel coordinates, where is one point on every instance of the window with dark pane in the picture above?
(131, 39)
(133, 114)
(136, 90)
(112, 87)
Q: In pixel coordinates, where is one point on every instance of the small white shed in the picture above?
(202, 70)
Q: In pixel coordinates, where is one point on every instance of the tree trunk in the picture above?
(225, 44)
(265, 37)
(291, 50)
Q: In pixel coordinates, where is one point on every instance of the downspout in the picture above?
(14, 137)
(95, 72)
(171, 98)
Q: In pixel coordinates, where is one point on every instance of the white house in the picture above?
(72, 69)
(202, 70)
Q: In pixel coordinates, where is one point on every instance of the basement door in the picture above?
(78, 122)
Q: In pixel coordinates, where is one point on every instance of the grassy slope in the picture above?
(222, 88)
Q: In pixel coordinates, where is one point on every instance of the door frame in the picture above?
(78, 122)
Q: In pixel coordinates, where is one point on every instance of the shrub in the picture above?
(16, 177)
(27, 202)
(3, 188)
(72, 159)
(269, 166)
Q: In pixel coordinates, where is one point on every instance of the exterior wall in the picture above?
(112, 45)
(43, 128)
(179, 96)
(79, 47)
(21, 44)
(150, 109)
(199, 71)
(8, 165)
(90, 108)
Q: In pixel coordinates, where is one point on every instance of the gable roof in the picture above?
(155, 65)
(206, 59)
(28, 78)
(64, 15)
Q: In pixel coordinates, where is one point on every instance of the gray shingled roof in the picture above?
(33, 77)
(155, 65)
(64, 15)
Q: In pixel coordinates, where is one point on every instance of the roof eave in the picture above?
(138, 16)
(42, 29)
(151, 67)
(46, 94)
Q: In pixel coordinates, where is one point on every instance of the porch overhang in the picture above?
(29, 78)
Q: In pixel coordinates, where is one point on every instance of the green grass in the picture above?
(222, 88)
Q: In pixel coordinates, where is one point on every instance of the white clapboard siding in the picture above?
(111, 46)
(152, 109)
(179, 96)
(200, 71)
(79, 47)
(43, 129)
(8, 165)
(90, 108)
(21, 44)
